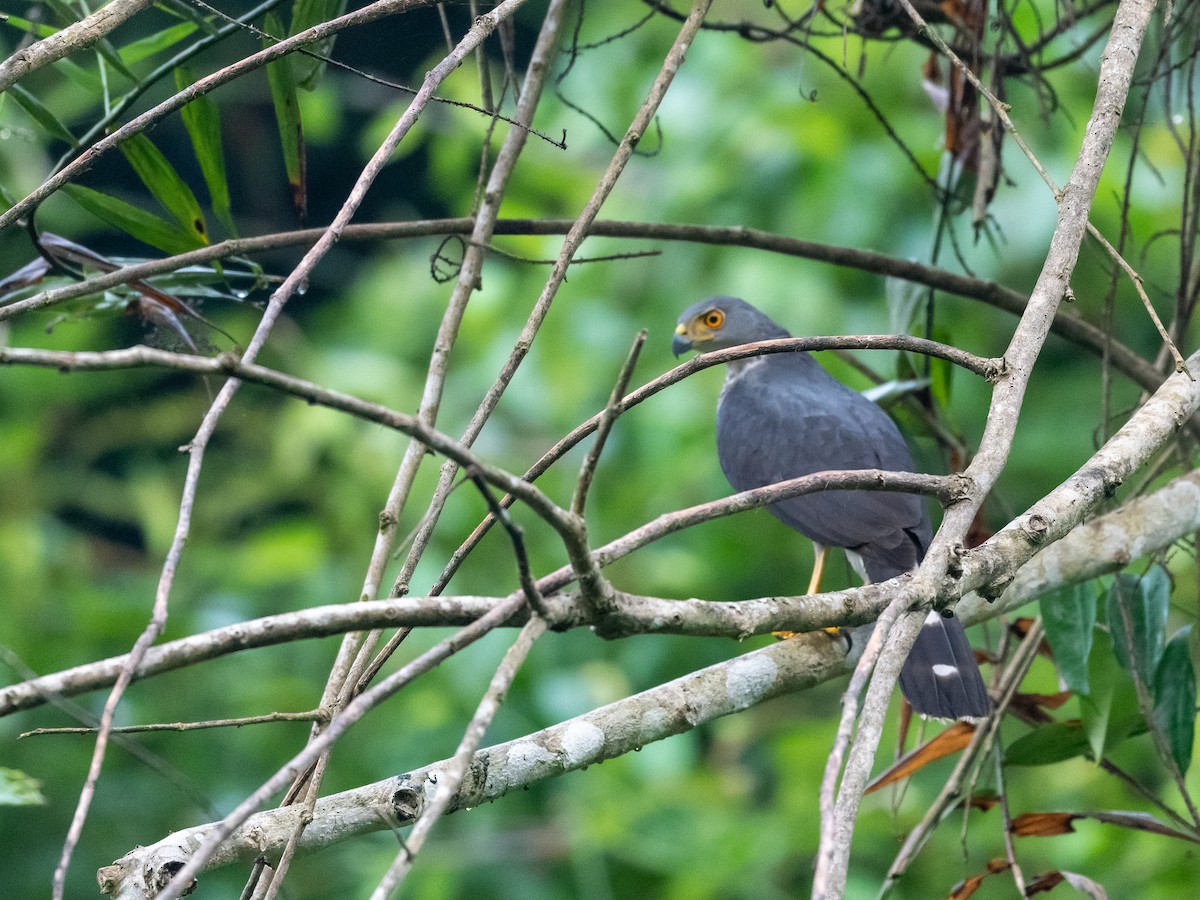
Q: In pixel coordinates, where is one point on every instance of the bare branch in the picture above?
(77, 36)
(604, 733)
(1116, 73)
(457, 767)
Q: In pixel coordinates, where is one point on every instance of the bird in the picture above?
(782, 416)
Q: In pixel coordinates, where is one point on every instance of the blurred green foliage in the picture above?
(759, 135)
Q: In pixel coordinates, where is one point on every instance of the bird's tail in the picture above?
(941, 678)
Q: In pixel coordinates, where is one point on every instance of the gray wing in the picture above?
(780, 419)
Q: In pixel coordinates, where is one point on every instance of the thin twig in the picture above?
(315, 715)
(1065, 323)
(981, 743)
(453, 774)
(517, 536)
(940, 573)
(608, 418)
(340, 723)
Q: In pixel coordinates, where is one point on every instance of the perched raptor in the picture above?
(781, 416)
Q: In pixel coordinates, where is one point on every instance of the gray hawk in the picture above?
(781, 416)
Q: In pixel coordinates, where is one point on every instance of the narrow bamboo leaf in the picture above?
(145, 226)
(160, 177)
(42, 115)
(36, 28)
(287, 116)
(86, 80)
(1138, 821)
(1175, 698)
(143, 48)
(1048, 744)
(109, 53)
(1137, 620)
(305, 14)
(63, 11)
(203, 124)
(1069, 617)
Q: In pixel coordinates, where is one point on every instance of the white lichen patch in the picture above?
(581, 742)
(520, 766)
(749, 678)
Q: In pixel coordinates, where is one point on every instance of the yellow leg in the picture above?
(814, 585)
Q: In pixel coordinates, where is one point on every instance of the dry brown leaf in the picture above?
(1044, 882)
(949, 741)
(967, 888)
(1043, 824)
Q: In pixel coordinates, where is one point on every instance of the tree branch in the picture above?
(77, 36)
(604, 733)
(931, 582)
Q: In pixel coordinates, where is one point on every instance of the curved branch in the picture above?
(1143, 526)
(1066, 324)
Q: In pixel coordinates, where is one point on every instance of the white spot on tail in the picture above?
(941, 670)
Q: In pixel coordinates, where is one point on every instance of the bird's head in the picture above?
(720, 322)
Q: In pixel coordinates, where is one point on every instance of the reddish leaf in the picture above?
(1032, 707)
(1044, 882)
(967, 888)
(983, 801)
(1043, 824)
(949, 741)
(1048, 824)
(1020, 627)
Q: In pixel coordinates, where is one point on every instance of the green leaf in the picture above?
(287, 116)
(904, 300)
(42, 115)
(87, 80)
(145, 226)
(19, 789)
(160, 177)
(144, 48)
(941, 371)
(34, 28)
(305, 14)
(106, 51)
(1110, 711)
(1137, 620)
(1048, 744)
(203, 123)
(1175, 698)
(1069, 617)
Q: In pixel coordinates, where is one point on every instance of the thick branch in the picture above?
(604, 733)
(1142, 527)
(937, 573)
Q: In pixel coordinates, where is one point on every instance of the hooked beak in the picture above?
(681, 343)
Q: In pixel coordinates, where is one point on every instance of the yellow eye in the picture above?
(714, 318)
